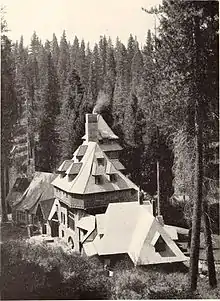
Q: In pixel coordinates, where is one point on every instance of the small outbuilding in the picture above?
(40, 188)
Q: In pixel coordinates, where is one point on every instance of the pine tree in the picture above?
(97, 67)
(64, 61)
(122, 88)
(47, 146)
(103, 44)
(183, 62)
(82, 64)
(137, 67)
(134, 127)
(131, 50)
(8, 113)
(55, 51)
(74, 53)
(92, 91)
(70, 123)
(20, 57)
(110, 77)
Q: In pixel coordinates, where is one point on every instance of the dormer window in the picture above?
(71, 177)
(98, 180)
(100, 161)
(112, 178)
(79, 158)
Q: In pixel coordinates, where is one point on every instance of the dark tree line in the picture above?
(61, 81)
(57, 82)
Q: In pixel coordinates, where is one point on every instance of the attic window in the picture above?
(100, 161)
(98, 180)
(112, 178)
(71, 177)
(162, 248)
(79, 158)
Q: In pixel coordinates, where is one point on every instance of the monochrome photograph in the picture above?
(109, 150)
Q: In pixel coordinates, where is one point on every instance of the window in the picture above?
(113, 177)
(79, 158)
(100, 161)
(98, 180)
(62, 233)
(71, 221)
(163, 249)
(160, 245)
(63, 218)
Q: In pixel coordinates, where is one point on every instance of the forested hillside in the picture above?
(140, 91)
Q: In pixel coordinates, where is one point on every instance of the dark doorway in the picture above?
(44, 229)
(54, 229)
(70, 242)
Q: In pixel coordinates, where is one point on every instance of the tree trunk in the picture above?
(3, 191)
(197, 209)
(209, 249)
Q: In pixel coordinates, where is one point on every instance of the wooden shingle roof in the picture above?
(84, 182)
(74, 168)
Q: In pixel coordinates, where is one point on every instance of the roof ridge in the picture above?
(86, 158)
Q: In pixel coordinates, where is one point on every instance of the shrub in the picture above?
(37, 271)
(130, 284)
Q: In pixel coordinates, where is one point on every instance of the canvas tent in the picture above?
(130, 228)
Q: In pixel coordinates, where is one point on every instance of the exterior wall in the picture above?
(65, 232)
(88, 201)
(21, 217)
(48, 228)
(103, 199)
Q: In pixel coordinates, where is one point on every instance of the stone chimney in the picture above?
(91, 128)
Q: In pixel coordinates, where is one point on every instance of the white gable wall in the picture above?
(148, 255)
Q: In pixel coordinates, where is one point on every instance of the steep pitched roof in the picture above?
(118, 165)
(39, 189)
(130, 228)
(65, 165)
(87, 223)
(17, 191)
(84, 182)
(118, 234)
(74, 168)
(81, 150)
(46, 206)
(110, 147)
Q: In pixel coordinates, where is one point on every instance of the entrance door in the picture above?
(54, 228)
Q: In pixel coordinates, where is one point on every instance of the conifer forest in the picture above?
(160, 98)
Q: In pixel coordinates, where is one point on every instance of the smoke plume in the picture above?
(102, 103)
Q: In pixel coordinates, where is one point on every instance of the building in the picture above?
(88, 182)
(130, 230)
(40, 189)
(16, 192)
(95, 208)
